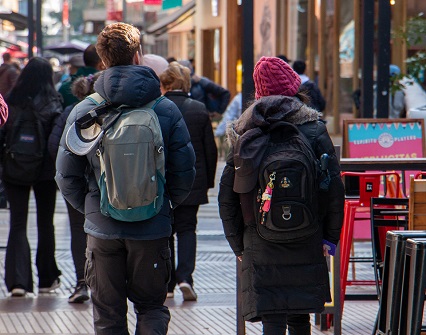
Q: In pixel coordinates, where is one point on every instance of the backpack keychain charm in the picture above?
(267, 196)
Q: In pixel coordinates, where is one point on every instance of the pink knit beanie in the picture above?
(273, 76)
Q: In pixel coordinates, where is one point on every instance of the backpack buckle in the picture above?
(286, 213)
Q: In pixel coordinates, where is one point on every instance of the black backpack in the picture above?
(289, 178)
(24, 150)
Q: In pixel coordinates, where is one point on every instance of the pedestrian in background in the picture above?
(316, 99)
(81, 88)
(8, 74)
(213, 96)
(175, 85)
(33, 93)
(232, 113)
(80, 65)
(126, 260)
(282, 282)
(396, 96)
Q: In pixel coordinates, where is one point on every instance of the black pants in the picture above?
(184, 225)
(78, 240)
(18, 252)
(276, 324)
(117, 270)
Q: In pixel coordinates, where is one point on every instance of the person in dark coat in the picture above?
(86, 64)
(126, 260)
(33, 91)
(81, 87)
(316, 99)
(8, 74)
(175, 85)
(215, 97)
(281, 282)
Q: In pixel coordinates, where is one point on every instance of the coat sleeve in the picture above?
(221, 94)
(210, 151)
(230, 208)
(57, 130)
(180, 164)
(331, 203)
(71, 171)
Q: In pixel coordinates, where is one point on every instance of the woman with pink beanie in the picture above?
(282, 283)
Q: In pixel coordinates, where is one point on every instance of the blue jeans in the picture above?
(121, 269)
(276, 324)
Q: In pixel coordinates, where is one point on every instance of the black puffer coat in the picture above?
(282, 278)
(200, 128)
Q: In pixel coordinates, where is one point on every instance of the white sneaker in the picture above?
(188, 292)
(56, 283)
(18, 292)
(170, 295)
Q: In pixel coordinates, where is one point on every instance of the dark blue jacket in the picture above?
(133, 86)
(215, 97)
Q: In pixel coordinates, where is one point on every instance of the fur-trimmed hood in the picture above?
(268, 110)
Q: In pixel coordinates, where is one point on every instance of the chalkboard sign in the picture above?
(383, 138)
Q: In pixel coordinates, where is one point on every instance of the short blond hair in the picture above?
(176, 77)
(118, 43)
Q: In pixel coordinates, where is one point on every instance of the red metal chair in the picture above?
(358, 209)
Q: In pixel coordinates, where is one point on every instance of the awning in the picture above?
(18, 20)
(4, 42)
(172, 20)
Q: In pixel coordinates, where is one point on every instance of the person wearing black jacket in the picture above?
(281, 282)
(81, 87)
(316, 99)
(34, 92)
(175, 84)
(215, 97)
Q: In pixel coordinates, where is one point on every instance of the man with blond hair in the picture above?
(126, 260)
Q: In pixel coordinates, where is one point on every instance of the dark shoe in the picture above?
(18, 292)
(188, 292)
(80, 294)
(56, 283)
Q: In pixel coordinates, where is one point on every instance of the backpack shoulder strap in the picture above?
(154, 103)
(96, 98)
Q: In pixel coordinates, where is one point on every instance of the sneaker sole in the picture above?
(79, 300)
(18, 292)
(49, 289)
(188, 293)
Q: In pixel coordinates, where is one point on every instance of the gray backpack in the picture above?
(131, 153)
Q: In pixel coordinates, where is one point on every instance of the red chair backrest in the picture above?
(369, 187)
